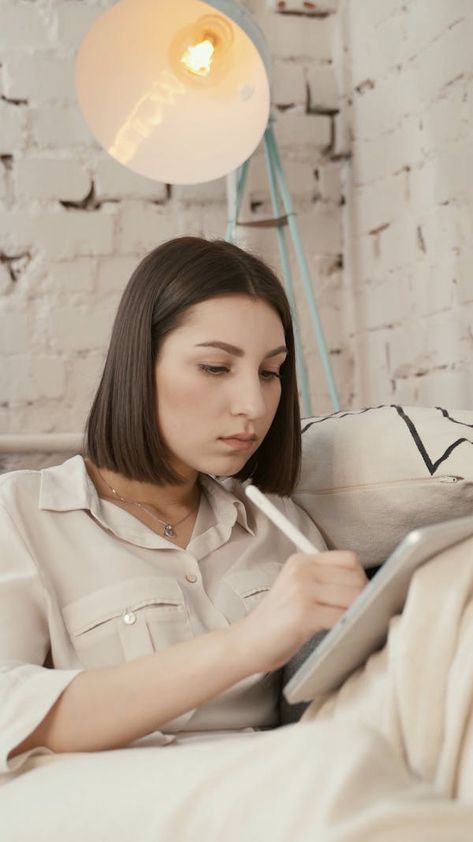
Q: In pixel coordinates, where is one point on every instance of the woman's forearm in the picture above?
(109, 707)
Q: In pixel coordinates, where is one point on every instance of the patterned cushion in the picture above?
(371, 475)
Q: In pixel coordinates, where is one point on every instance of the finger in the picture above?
(327, 617)
(325, 573)
(336, 596)
(339, 558)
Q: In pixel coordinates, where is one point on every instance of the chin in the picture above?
(224, 469)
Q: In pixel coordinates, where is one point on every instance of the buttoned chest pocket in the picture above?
(127, 620)
(247, 588)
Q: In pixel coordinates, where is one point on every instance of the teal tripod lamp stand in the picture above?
(179, 91)
(279, 188)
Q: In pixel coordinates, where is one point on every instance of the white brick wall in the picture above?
(73, 223)
(408, 103)
(373, 102)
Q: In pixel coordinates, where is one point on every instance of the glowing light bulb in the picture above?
(201, 53)
(198, 58)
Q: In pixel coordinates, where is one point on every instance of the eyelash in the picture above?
(217, 370)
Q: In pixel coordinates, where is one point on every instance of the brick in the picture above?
(74, 233)
(373, 386)
(323, 86)
(13, 128)
(62, 235)
(38, 79)
(402, 231)
(300, 37)
(407, 350)
(364, 19)
(427, 20)
(82, 382)
(22, 25)
(382, 305)
(320, 230)
(443, 339)
(331, 321)
(49, 376)
(443, 61)
(80, 328)
(365, 257)
(14, 331)
(342, 140)
(381, 202)
(443, 122)
(433, 284)
(374, 113)
(296, 129)
(330, 181)
(299, 176)
(451, 388)
(16, 231)
(448, 227)
(199, 220)
(55, 127)
(114, 181)
(442, 179)
(29, 378)
(74, 276)
(463, 278)
(53, 178)
(114, 273)
(374, 57)
(382, 156)
(208, 191)
(303, 7)
(5, 279)
(74, 21)
(288, 87)
(141, 228)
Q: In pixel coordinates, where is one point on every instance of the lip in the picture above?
(239, 443)
(241, 437)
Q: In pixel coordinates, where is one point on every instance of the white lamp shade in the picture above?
(153, 116)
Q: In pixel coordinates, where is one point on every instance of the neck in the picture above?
(165, 498)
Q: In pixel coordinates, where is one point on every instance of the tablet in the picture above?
(364, 627)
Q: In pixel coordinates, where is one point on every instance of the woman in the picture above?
(161, 600)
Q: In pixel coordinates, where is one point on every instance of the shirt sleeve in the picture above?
(305, 524)
(27, 689)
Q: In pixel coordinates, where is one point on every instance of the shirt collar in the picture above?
(68, 487)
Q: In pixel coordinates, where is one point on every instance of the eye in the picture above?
(218, 370)
(214, 370)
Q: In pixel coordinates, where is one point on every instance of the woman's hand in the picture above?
(311, 593)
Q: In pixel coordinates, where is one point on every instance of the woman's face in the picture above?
(207, 393)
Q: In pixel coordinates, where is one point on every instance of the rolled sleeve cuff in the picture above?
(27, 693)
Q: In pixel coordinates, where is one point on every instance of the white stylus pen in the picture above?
(258, 498)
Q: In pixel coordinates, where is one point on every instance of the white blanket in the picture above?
(389, 757)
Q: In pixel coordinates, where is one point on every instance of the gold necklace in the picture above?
(168, 530)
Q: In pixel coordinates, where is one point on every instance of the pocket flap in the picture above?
(131, 594)
(249, 582)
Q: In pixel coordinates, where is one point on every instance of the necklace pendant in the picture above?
(169, 531)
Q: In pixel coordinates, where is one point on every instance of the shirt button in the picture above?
(191, 577)
(129, 618)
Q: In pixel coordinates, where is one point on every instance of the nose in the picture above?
(247, 397)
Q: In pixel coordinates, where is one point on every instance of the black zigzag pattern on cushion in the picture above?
(429, 463)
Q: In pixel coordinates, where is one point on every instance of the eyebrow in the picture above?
(238, 352)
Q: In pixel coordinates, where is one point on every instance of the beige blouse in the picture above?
(85, 584)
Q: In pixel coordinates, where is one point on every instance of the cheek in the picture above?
(180, 392)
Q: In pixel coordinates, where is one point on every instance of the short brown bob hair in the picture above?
(121, 431)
